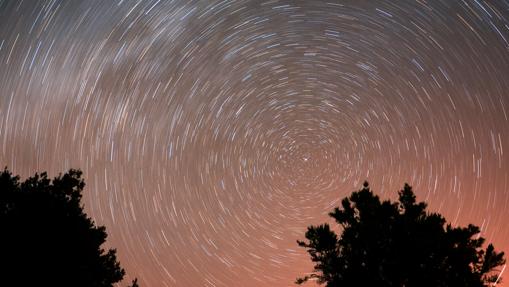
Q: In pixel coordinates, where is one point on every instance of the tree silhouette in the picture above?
(46, 239)
(397, 244)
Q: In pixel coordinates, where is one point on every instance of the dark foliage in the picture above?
(398, 244)
(46, 239)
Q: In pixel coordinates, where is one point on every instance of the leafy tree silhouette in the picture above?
(397, 244)
(46, 239)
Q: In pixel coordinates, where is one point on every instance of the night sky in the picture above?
(212, 133)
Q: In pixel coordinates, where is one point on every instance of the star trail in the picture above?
(212, 133)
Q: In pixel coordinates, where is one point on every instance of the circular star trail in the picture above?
(212, 133)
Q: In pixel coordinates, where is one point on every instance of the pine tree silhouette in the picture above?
(46, 239)
(397, 244)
